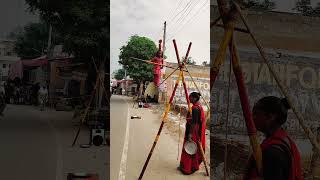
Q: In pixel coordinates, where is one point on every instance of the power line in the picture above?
(182, 18)
(173, 8)
(193, 18)
(179, 12)
(181, 24)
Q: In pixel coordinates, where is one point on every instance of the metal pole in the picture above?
(164, 37)
(49, 39)
(125, 80)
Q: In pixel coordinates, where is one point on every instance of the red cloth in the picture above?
(16, 70)
(190, 163)
(157, 70)
(156, 79)
(278, 138)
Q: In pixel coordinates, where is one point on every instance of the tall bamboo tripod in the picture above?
(229, 16)
(99, 83)
(167, 109)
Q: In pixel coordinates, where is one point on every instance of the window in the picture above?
(9, 53)
(4, 65)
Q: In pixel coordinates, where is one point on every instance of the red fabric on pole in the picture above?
(157, 70)
(16, 70)
(35, 62)
(173, 93)
(186, 92)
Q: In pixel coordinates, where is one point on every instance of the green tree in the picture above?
(189, 60)
(31, 40)
(119, 74)
(83, 24)
(205, 63)
(304, 7)
(259, 5)
(142, 48)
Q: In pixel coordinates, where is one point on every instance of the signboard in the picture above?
(300, 74)
(202, 83)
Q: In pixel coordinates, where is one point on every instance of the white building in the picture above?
(7, 57)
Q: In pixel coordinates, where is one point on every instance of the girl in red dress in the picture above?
(157, 68)
(195, 131)
(280, 155)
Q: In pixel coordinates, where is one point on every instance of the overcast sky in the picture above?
(14, 13)
(146, 17)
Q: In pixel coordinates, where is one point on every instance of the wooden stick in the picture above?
(160, 129)
(149, 62)
(215, 22)
(236, 29)
(203, 157)
(169, 76)
(85, 112)
(251, 129)
(283, 88)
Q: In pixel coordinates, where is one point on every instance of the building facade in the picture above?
(201, 77)
(7, 57)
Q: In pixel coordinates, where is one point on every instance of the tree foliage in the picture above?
(189, 60)
(119, 74)
(205, 63)
(259, 5)
(31, 41)
(305, 8)
(142, 48)
(83, 24)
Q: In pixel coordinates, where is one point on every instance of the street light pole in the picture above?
(125, 79)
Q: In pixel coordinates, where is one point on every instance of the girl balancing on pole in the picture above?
(157, 67)
(195, 131)
(280, 155)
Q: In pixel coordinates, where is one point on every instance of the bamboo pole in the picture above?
(221, 54)
(283, 88)
(251, 129)
(236, 29)
(160, 129)
(169, 76)
(149, 62)
(203, 157)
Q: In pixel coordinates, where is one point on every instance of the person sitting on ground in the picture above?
(280, 155)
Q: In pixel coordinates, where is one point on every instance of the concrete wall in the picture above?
(201, 76)
(298, 66)
(275, 30)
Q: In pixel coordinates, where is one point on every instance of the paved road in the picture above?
(118, 125)
(163, 163)
(36, 145)
(28, 145)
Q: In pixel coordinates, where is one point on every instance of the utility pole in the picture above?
(164, 48)
(125, 80)
(49, 39)
(164, 37)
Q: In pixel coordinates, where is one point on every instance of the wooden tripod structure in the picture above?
(99, 82)
(229, 16)
(167, 109)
